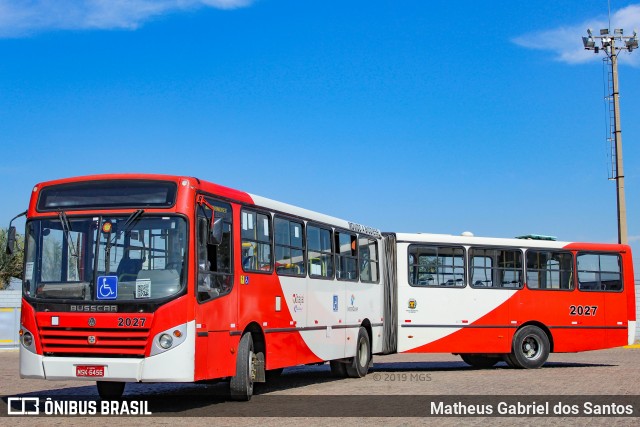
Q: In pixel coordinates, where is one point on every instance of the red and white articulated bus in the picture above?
(155, 278)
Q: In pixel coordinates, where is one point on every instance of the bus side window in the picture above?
(548, 269)
(368, 256)
(346, 256)
(320, 252)
(496, 268)
(599, 272)
(256, 241)
(215, 270)
(289, 247)
(433, 265)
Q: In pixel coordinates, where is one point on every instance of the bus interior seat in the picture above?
(128, 268)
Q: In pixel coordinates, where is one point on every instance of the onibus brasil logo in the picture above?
(48, 406)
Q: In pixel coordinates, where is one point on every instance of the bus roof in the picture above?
(225, 192)
(477, 240)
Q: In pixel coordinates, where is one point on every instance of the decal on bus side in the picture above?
(583, 310)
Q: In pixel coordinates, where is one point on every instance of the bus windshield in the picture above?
(105, 258)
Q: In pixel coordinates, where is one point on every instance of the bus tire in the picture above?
(338, 368)
(241, 385)
(530, 347)
(508, 359)
(110, 390)
(479, 361)
(360, 364)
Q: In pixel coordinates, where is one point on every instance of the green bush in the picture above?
(10, 265)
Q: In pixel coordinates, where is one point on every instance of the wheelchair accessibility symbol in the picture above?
(107, 287)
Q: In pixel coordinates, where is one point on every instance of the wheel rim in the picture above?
(363, 352)
(531, 347)
(252, 370)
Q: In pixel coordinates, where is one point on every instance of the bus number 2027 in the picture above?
(131, 322)
(583, 310)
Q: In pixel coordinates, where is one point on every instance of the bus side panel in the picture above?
(617, 318)
(620, 307)
(630, 291)
(454, 320)
(215, 348)
(363, 302)
(571, 340)
(285, 346)
(282, 347)
(558, 311)
(320, 339)
(280, 321)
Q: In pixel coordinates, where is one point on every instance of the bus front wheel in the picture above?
(110, 390)
(241, 385)
(530, 348)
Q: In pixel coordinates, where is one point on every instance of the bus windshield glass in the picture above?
(105, 258)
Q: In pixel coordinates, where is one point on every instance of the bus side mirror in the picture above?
(215, 231)
(11, 240)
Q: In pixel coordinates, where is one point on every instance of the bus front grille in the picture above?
(105, 342)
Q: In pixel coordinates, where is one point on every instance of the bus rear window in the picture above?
(107, 195)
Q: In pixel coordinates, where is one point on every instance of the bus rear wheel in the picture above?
(359, 367)
(509, 360)
(479, 361)
(530, 348)
(241, 385)
(110, 390)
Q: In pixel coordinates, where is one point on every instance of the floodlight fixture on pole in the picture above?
(608, 45)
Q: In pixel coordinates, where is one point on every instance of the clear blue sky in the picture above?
(405, 115)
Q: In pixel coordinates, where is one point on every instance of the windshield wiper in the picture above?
(66, 229)
(129, 222)
(125, 227)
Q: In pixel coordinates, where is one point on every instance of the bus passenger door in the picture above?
(216, 294)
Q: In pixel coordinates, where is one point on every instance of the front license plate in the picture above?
(89, 371)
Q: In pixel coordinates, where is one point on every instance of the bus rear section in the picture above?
(515, 300)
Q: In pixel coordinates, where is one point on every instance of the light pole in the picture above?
(608, 45)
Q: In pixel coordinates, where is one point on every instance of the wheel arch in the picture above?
(257, 334)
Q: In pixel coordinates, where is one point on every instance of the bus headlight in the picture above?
(27, 339)
(165, 341)
(168, 339)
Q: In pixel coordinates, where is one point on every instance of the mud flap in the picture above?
(258, 364)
